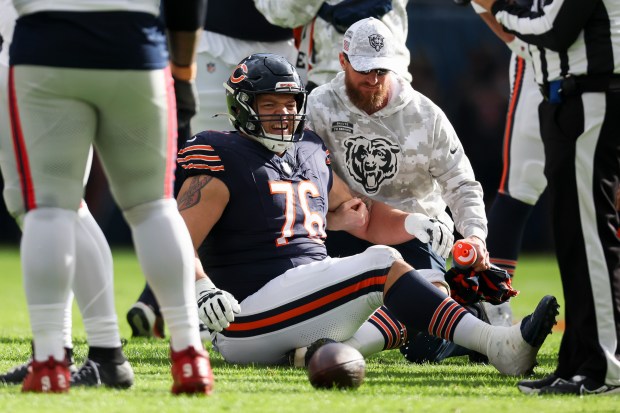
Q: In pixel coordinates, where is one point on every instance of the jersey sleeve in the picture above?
(203, 156)
(328, 161)
(455, 175)
(555, 27)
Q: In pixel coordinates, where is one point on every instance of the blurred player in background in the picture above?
(273, 260)
(222, 46)
(83, 74)
(94, 287)
(321, 26)
(523, 180)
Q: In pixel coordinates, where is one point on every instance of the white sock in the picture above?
(166, 255)
(367, 340)
(473, 333)
(67, 324)
(93, 284)
(46, 321)
(48, 265)
(179, 324)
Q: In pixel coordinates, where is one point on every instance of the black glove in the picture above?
(463, 284)
(495, 285)
(187, 101)
(468, 287)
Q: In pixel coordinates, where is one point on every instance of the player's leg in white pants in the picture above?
(87, 251)
(93, 287)
(291, 311)
(332, 298)
(523, 180)
(52, 136)
(93, 284)
(140, 170)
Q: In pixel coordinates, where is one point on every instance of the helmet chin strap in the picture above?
(275, 144)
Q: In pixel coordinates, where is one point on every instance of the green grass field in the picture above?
(392, 384)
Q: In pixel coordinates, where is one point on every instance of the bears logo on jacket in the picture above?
(371, 161)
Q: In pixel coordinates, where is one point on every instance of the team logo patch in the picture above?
(341, 126)
(371, 161)
(376, 41)
(210, 67)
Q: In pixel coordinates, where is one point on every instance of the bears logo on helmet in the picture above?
(238, 78)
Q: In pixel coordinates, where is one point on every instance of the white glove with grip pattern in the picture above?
(430, 230)
(216, 308)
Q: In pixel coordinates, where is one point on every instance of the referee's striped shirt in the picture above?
(567, 37)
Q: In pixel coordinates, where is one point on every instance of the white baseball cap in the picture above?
(369, 44)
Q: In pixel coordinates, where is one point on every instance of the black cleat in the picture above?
(534, 386)
(94, 374)
(144, 322)
(577, 385)
(18, 373)
(537, 326)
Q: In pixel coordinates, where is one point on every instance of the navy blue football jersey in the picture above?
(276, 216)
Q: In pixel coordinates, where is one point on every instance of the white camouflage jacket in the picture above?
(406, 155)
(327, 41)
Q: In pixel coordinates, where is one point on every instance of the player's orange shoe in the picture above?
(191, 372)
(51, 376)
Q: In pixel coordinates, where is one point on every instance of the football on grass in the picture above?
(336, 365)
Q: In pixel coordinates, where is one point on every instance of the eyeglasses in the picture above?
(378, 72)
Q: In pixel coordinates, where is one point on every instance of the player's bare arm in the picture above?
(202, 200)
(191, 197)
(383, 224)
(346, 212)
(373, 221)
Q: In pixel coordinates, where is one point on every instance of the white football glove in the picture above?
(216, 308)
(519, 47)
(478, 8)
(430, 230)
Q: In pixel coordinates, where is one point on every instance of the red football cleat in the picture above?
(191, 372)
(51, 376)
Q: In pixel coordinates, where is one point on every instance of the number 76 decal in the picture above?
(313, 221)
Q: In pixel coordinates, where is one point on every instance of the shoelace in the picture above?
(87, 374)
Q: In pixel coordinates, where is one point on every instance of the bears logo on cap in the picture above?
(376, 41)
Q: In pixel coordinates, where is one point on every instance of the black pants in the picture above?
(581, 137)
